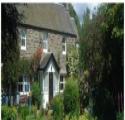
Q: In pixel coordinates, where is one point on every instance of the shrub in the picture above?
(23, 112)
(57, 105)
(40, 116)
(71, 97)
(87, 116)
(103, 105)
(120, 116)
(36, 94)
(34, 111)
(9, 113)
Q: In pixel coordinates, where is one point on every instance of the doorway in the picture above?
(50, 86)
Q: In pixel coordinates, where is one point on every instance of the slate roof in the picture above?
(45, 61)
(47, 16)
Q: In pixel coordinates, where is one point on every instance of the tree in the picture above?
(75, 16)
(10, 47)
(102, 56)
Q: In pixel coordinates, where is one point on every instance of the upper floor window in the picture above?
(64, 45)
(23, 39)
(45, 41)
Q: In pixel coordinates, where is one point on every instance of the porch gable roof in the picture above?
(46, 60)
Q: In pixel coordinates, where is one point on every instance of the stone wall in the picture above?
(34, 40)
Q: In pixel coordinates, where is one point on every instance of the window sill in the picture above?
(23, 48)
(64, 52)
(45, 50)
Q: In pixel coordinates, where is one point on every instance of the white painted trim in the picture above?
(45, 50)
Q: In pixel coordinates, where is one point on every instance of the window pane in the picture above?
(61, 86)
(23, 33)
(45, 36)
(64, 44)
(63, 40)
(44, 45)
(61, 78)
(63, 47)
(22, 42)
(23, 37)
(26, 88)
(20, 88)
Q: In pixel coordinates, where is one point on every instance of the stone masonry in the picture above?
(34, 41)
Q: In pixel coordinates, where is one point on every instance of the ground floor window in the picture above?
(20, 87)
(23, 84)
(61, 83)
(27, 88)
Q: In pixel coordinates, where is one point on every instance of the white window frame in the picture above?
(23, 47)
(23, 83)
(45, 41)
(64, 44)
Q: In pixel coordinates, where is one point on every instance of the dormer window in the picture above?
(64, 45)
(45, 42)
(23, 39)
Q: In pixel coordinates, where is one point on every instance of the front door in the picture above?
(50, 86)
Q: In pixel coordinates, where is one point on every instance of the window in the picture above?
(27, 88)
(45, 41)
(64, 45)
(23, 39)
(20, 87)
(24, 84)
(61, 83)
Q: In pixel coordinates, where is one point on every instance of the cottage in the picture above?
(46, 26)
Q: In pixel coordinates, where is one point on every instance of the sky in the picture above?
(81, 7)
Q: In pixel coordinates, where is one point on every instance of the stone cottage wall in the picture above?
(34, 40)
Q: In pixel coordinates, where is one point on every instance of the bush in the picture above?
(87, 116)
(36, 94)
(34, 111)
(120, 116)
(103, 105)
(57, 105)
(71, 97)
(23, 112)
(9, 113)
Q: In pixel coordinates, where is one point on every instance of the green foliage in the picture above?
(8, 113)
(101, 54)
(120, 116)
(10, 21)
(103, 104)
(24, 66)
(71, 97)
(87, 116)
(75, 16)
(73, 61)
(84, 90)
(23, 111)
(36, 94)
(10, 47)
(58, 108)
